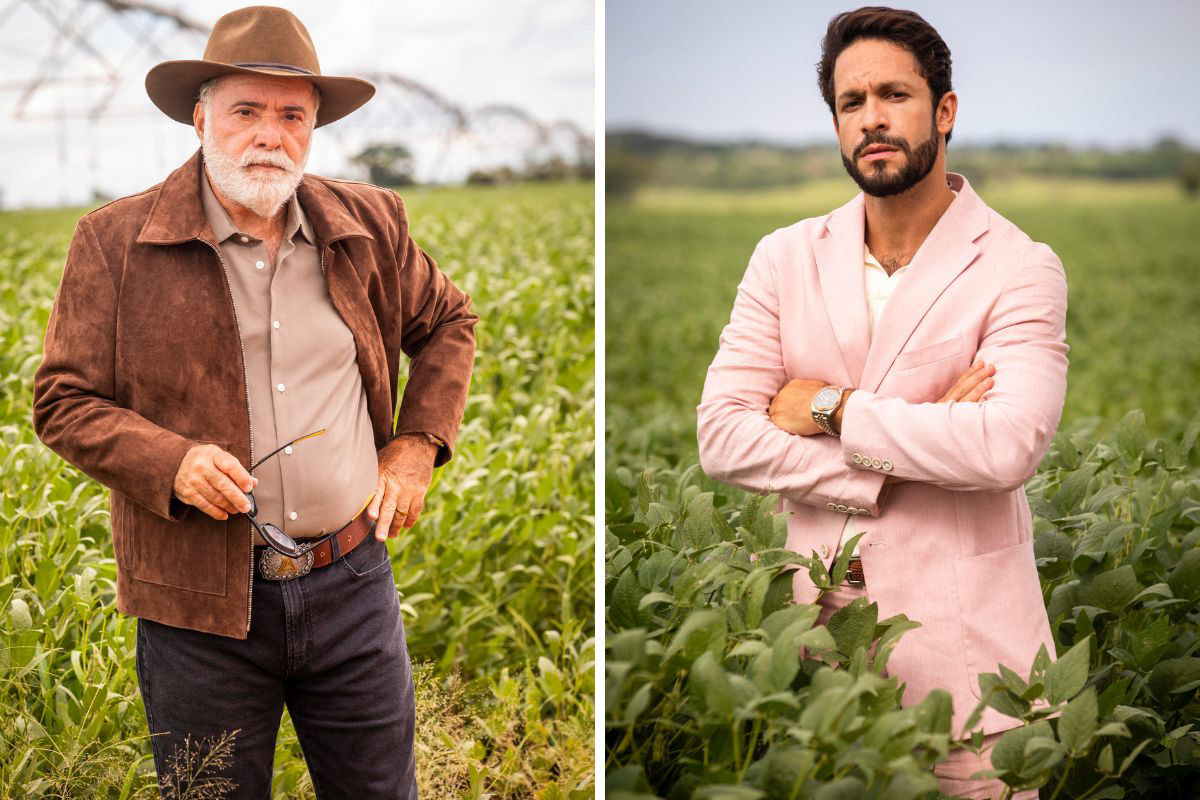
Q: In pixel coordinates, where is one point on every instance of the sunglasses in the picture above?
(275, 538)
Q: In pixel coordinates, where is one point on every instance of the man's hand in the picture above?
(209, 479)
(405, 469)
(971, 385)
(791, 408)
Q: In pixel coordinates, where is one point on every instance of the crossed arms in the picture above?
(962, 446)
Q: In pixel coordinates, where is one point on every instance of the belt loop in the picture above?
(335, 552)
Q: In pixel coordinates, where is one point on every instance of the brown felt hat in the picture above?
(259, 40)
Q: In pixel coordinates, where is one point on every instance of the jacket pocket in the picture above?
(190, 554)
(927, 355)
(1000, 610)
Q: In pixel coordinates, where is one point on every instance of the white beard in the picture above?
(264, 193)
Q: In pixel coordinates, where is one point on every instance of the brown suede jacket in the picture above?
(143, 360)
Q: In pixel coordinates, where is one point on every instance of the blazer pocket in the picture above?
(1001, 612)
(927, 355)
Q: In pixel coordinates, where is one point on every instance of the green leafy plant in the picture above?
(719, 686)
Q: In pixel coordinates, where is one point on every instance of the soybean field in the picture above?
(706, 691)
(496, 579)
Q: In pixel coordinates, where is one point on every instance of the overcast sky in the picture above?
(1110, 72)
(534, 55)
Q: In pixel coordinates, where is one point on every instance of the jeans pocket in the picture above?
(367, 560)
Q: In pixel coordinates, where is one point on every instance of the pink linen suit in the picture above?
(950, 546)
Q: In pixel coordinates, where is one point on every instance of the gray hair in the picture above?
(204, 94)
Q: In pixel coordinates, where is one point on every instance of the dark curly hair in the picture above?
(904, 28)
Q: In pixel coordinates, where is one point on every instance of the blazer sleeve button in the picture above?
(887, 465)
(857, 458)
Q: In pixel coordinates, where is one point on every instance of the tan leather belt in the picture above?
(275, 566)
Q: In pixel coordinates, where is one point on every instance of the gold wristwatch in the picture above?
(825, 405)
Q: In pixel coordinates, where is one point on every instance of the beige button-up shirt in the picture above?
(880, 287)
(302, 375)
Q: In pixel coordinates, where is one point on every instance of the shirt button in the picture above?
(245, 239)
(259, 264)
(288, 449)
(279, 387)
(292, 515)
(275, 324)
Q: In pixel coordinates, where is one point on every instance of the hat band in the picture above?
(285, 67)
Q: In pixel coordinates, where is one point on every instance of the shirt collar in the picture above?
(222, 224)
(297, 220)
(218, 218)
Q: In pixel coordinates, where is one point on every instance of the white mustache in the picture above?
(268, 158)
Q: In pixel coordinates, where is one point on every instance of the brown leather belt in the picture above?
(275, 566)
(854, 573)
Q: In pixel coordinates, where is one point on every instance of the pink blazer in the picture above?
(950, 546)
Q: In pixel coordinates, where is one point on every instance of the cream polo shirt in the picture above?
(880, 287)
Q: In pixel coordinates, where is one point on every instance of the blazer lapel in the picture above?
(840, 268)
(948, 249)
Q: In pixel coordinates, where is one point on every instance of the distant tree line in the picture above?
(634, 158)
(552, 169)
(392, 164)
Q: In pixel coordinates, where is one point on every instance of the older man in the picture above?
(223, 353)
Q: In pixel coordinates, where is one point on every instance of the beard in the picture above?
(880, 182)
(263, 192)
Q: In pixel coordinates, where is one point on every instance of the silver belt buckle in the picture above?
(275, 566)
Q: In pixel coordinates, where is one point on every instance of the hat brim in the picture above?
(172, 86)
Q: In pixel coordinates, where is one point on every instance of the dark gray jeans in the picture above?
(330, 646)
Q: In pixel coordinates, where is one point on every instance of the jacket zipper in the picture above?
(249, 420)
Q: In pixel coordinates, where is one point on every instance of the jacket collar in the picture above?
(948, 249)
(178, 212)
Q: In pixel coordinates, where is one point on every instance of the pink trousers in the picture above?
(954, 773)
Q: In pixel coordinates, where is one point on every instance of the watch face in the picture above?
(826, 399)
